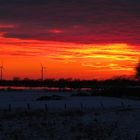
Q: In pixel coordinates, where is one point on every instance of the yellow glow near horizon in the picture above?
(67, 60)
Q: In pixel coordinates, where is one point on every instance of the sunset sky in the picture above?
(86, 39)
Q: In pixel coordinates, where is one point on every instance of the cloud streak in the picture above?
(107, 57)
(80, 21)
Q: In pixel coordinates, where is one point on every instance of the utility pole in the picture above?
(42, 72)
(1, 72)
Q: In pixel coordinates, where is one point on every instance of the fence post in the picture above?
(102, 105)
(81, 105)
(46, 107)
(65, 107)
(122, 105)
(28, 107)
(9, 108)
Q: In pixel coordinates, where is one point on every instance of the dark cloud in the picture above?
(85, 21)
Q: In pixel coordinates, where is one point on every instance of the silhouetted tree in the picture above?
(16, 79)
(61, 83)
(137, 71)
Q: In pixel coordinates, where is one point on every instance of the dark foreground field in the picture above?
(23, 116)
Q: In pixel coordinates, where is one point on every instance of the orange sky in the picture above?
(22, 58)
(86, 39)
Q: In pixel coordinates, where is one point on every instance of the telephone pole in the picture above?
(1, 72)
(42, 72)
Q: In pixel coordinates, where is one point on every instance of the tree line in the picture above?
(77, 83)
